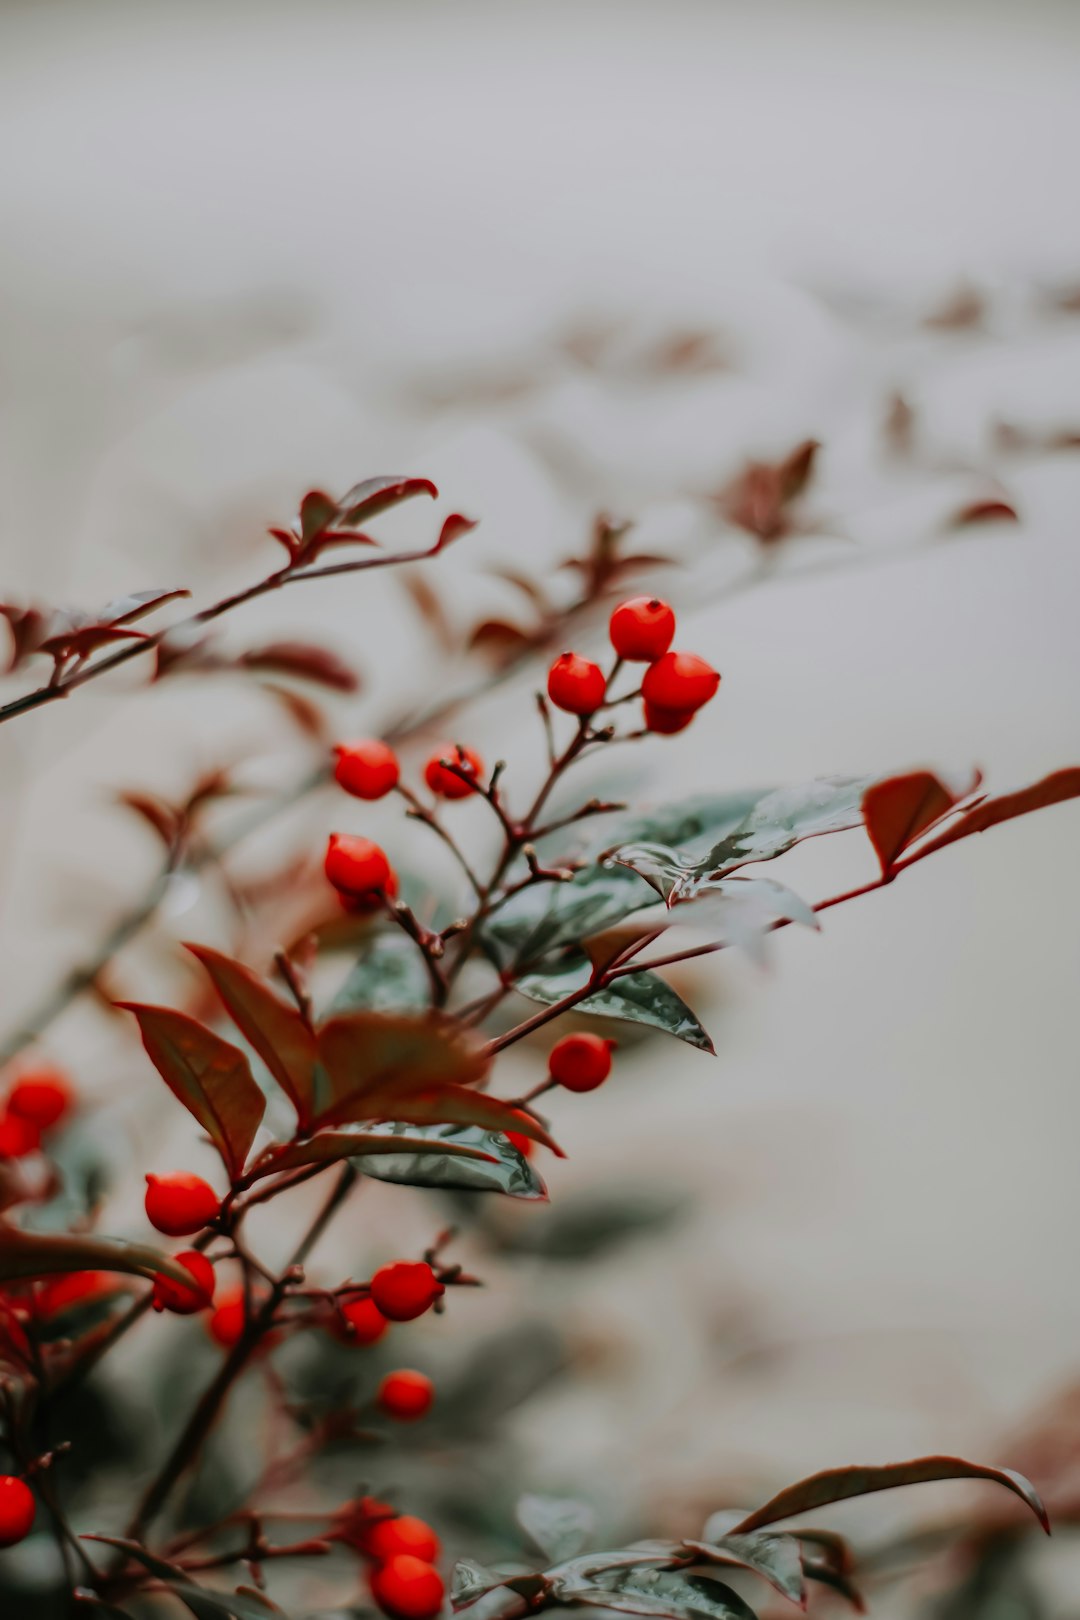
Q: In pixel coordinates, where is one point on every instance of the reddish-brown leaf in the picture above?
(364, 1054)
(454, 527)
(301, 658)
(365, 501)
(450, 1105)
(899, 808)
(82, 642)
(29, 627)
(991, 509)
(212, 1079)
(137, 605)
(275, 1030)
(40, 1254)
(317, 512)
(1052, 789)
(159, 815)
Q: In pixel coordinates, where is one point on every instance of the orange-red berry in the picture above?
(642, 629)
(404, 1533)
(42, 1096)
(360, 1322)
(679, 681)
(182, 1300)
(408, 1588)
(368, 769)
(666, 722)
(17, 1508)
(405, 1395)
(580, 1062)
(405, 1289)
(447, 784)
(72, 1288)
(180, 1204)
(576, 685)
(357, 867)
(228, 1319)
(18, 1136)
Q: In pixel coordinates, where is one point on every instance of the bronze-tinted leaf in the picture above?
(137, 605)
(899, 808)
(454, 527)
(39, 1254)
(301, 658)
(364, 1054)
(1052, 789)
(365, 501)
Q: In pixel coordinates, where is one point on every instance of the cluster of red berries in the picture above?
(402, 1548)
(676, 684)
(36, 1104)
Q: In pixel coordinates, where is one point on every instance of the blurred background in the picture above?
(564, 260)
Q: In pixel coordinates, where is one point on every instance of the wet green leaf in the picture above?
(558, 1525)
(387, 976)
(483, 1161)
(777, 1559)
(666, 1594)
(639, 998)
(329, 1147)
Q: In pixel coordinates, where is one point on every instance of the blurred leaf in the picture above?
(137, 605)
(366, 500)
(589, 1226)
(469, 1581)
(558, 1525)
(640, 998)
(318, 511)
(777, 1559)
(34, 1254)
(990, 509)
(212, 1079)
(462, 1159)
(387, 976)
(455, 526)
(300, 658)
(899, 808)
(742, 911)
(205, 1605)
(1052, 789)
(759, 498)
(667, 1594)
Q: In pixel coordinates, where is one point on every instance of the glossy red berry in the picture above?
(408, 1588)
(357, 867)
(387, 1538)
(576, 685)
(367, 770)
(181, 1300)
(42, 1096)
(666, 722)
(679, 681)
(405, 1395)
(18, 1136)
(642, 629)
(228, 1319)
(180, 1204)
(17, 1508)
(361, 1322)
(405, 1289)
(580, 1062)
(447, 784)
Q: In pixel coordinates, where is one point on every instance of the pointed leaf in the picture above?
(742, 911)
(39, 1254)
(318, 511)
(137, 605)
(457, 1158)
(639, 998)
(365, 501)
(666, 1594)
(558, 1525)
(200, 1602)
(211, 1078)
(457, 1105)
(1052, 789)
(330, 1146)
(299, 658)
(899, 808)
(777, 1559)
(454, 527)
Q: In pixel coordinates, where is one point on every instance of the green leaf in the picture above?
(331, 1146)
(274, 1029)
(204, 1605)
(387, 976)
(460, 1159)
(639, 998)
(469, 1581)
(837, 1484)
(666, 1594)
(777, 1559)
(212, 1079)
(558, 1525)
(38, 1254)
(741, 911)
(589, 1226)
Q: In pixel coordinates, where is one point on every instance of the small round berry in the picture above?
(405, 1289)
(666, 722)
(42, 1096)
(228, 1319)
(18, 1136)
(642, 629)
(576, 685)
(447, 784)
(180, 1204)
(17, 1508)
(367, 770)
(407, 1588)
(356, 866)
(181, 1300)
(360, 1322)
(366, 905)
(405, 1395)
(580, 1062)
(679, 681)
(404, 1533)
(524, 1144)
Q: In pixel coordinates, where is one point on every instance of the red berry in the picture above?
(357, 867)
(17, 1508)
(580, 1062)
(365, 905)
(666, 722)
(524, 1144)
(363, 1322)
(183, 1301)
(18, 1136)
(576, 685)
(367, 769)
(387, 1538)
(642, 629)
(405, 1395)
(72, 1288)
(43, 1097)
(679, 681)
(446, 783)
(180, 1204)
(407, 1588)
(228, 1319)
(405, 1289)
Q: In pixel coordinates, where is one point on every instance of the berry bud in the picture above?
(576, 685)
(642, 629)
(405, 1395)
(42, 1096)
(18, 1136)
(360, 1322)
(666, 722)
(580, 1062)
(181, 1300)
(17, 1509)
(407, 1588)
(180, 1204)
(405, 1289)
(367, 770)
(356, 867)
(679, 681)
(387, 1538)
(228, 1319)
(446, 783)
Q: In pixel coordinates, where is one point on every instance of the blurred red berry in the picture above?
(679, 681)
(228, 1319)
(408, 1588)
(42, 1096)
(387, 1538)
(446, 783)
(71, 1288)
(368, 769)
(183, 1301)
(180, 1204)
(17, 1508)
(580, 1062)
(405, 1289)
(363, 1322)
(18, 1136)
(666, 722)
(642, 629)
(357, 867)
(576, 685)
(405, 1395)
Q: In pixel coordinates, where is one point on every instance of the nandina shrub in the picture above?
(364, 1049)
